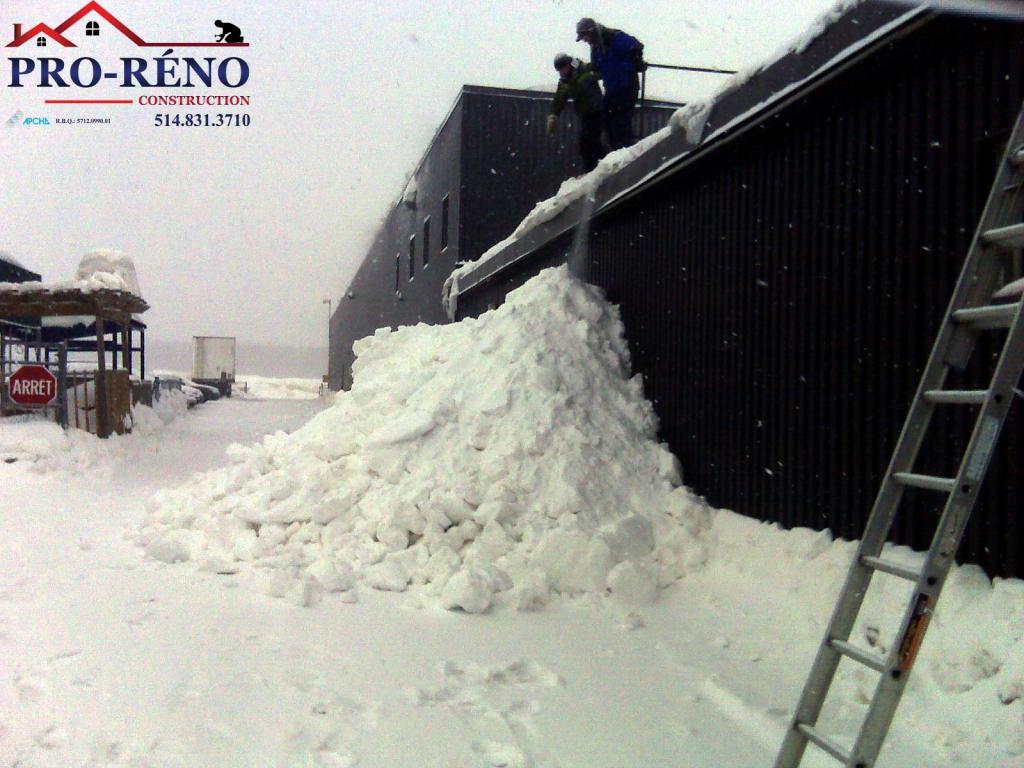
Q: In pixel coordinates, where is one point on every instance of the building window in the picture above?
(412, 257)
(444, 222)
(426, 241)
(92, 29)
(398, 270)
(41, 41)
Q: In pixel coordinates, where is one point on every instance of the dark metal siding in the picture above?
(374, 303)
(495, 159)
(781, 296)
(12, 273)
(510, 162)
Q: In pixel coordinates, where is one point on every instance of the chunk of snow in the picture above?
(470, 590)
(632, 583)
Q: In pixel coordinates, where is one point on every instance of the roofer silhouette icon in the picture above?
(229, 33)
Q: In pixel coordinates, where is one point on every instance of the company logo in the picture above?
(15, 119)
(163, 71)
(36, 121)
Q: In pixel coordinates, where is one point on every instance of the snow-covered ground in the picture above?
(681, 642)
(271, 388)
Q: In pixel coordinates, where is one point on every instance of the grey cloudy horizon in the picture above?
(244, 231)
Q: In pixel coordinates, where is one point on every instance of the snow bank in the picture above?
(269, 388)
(972, 660)
(49, 447)
(498, 458)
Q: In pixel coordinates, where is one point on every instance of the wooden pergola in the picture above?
(112, 309)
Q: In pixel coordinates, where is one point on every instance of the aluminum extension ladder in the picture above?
(1000, 234)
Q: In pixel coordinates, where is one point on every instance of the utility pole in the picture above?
(328, 303)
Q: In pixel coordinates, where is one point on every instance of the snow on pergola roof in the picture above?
(93, 297)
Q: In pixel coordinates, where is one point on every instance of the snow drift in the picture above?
(507, 456)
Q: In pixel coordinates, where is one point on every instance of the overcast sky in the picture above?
(243, 231)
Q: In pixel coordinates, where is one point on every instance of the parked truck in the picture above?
(213, 362)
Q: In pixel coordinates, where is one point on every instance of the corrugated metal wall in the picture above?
(510, 162)
(11, 273)
(781, 296)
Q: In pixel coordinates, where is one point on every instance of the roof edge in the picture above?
(850, 38)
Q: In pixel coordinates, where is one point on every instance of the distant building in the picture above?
(487, 166)
(13, 271)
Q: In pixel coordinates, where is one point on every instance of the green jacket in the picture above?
(582, 87)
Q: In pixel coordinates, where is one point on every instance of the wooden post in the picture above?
(3, 367)
(102, 407)
(128, 344)
(142, 353)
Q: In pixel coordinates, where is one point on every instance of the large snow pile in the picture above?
(504, 456)
(111, 267)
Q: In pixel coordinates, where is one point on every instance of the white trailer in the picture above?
(213, 362)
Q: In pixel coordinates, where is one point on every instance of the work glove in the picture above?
(552, 123)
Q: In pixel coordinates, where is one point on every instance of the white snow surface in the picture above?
(109, 657)
(507, 455)
(274, 388)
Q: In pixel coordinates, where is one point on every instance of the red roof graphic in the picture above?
(94, 7)
(42, 29)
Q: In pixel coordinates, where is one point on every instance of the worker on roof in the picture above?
(618, 59)
(577, 81)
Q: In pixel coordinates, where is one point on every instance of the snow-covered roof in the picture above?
(850, 28)
(5, 256)
(100, 281)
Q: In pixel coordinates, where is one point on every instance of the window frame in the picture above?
(445, 205)
(425, 250)
(412, 257)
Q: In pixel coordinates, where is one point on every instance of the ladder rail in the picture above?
(953, 346)
(941, 554)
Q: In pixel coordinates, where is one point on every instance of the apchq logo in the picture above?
(163, 71)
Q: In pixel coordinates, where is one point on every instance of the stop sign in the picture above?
(33, 385)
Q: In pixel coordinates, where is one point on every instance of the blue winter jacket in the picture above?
(616, 56)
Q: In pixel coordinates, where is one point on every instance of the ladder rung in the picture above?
(824, 742)
(995, 316)
(928, 482)
(1005, 237)
(955, 397)
(885, 566)
(855, 653)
